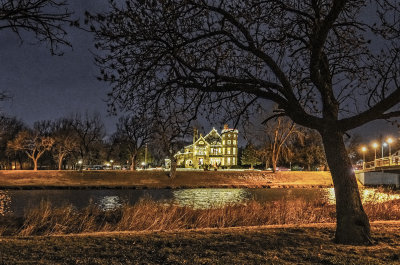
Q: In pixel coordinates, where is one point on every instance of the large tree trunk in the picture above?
(352, 222)
(172, 171)
(273, 164)
(133, 163)
(60, 160)
(35, 164)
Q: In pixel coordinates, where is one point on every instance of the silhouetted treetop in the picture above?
(46, 19)
(300, 54)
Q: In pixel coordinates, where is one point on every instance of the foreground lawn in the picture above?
(242, 245)
(159, 179)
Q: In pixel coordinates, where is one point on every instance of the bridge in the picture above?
(389, 163)
(381, 171)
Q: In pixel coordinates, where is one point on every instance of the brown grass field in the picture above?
(45, 179)
(285, 244)
(149, 215)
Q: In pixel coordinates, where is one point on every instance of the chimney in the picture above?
(226, 127)
(194, 135)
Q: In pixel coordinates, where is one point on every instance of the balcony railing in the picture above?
(383, 162)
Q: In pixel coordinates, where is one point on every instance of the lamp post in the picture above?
(375, 145)
(80, 165)
(389, 141)
(363, 149)
(145, 157)
(111, 162)
(384, 144)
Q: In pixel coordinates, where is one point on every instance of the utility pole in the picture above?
(145, 157)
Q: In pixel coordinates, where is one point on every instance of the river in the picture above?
(15, 202)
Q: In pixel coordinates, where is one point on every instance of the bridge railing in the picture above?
(383, 162)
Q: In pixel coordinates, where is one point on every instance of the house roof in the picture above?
(213, 137)
(201, 138)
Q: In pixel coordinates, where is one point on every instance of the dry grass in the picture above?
(158, 179)
(149, 215)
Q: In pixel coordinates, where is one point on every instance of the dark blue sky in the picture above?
(49, 87)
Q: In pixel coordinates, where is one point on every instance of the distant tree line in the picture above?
(81, 141)
(76, 141)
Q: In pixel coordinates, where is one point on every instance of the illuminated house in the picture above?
(213, 149)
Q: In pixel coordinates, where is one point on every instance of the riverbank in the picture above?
(288, 244)
(157, 179)
(147, 214)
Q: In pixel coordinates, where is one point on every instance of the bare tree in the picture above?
(326, 65)
(278, 134)
(9, 129)
(65, 138)
(33, 144)
(44, 18)
(307, 149)
(169, 133)
(133, 133)
(89, 130)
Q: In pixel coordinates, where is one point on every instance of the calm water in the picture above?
(16, 201)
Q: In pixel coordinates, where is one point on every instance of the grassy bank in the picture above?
(149, 215)
(306, 244)
(26, 179)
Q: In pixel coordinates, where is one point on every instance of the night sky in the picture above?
(48, 87)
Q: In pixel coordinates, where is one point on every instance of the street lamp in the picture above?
(363, 149)
(111, 162)
(375, 145)
(80, 164)
(384, 144)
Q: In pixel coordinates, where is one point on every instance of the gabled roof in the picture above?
(201, 138)
(213, 137)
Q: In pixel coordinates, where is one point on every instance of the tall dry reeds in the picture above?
(151, 215)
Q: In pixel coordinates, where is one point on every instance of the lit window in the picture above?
(233, 161)
(234, 141)
(234, 151)
(229, 151)
(223, 142)
(224, 151)
(229, 135)
(228, 162)
(219, 150)
(229, 141)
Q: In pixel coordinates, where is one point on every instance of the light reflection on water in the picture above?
(210, 198)
(109, 202)
(367, 196)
